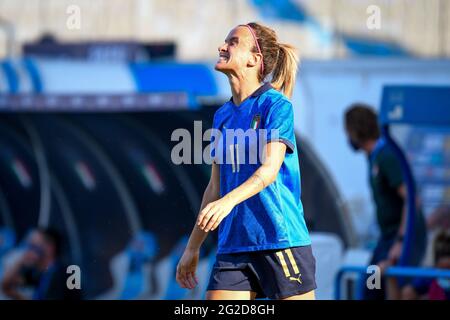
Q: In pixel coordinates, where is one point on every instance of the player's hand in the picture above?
(395, 252)
(383, 265)
(186, 269)
(213, 214)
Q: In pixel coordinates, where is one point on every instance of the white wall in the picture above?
(324, 91)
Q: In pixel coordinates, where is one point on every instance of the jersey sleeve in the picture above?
(391, 170)
(279, 124)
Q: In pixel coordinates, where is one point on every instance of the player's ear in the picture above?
(254, 59)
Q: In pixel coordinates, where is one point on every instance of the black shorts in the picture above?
(274, 274)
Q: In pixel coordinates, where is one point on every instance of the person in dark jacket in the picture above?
(388, 191)
(40, 268)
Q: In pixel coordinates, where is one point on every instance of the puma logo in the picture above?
(283, 263)
(298, 279)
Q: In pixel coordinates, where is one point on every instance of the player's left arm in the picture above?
(401, 190)
(396, 250)
(211, 216)
(391, 169)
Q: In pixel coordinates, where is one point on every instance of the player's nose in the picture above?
(222, 47)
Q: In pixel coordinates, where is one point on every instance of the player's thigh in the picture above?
(305, 296)
(230, 295)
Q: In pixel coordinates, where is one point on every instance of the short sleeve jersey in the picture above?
(273, 218)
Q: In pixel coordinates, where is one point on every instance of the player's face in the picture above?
(235, 54)
(352, 140)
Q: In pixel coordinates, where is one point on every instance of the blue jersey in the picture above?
(273, 218)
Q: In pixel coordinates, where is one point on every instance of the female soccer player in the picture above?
(264, 249)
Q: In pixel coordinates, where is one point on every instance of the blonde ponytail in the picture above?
(279, 60)
(285, 70)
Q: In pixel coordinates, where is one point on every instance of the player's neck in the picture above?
(242, 88)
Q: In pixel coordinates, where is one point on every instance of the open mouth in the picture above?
(223, 58)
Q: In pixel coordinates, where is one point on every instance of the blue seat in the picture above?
(141, 251)
(7, 242)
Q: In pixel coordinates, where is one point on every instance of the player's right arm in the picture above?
(187, 265)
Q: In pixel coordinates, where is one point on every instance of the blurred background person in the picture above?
(388, 190)
(40, 269)
(439, 218)
(429, 288)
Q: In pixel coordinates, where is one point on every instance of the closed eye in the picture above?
(232, 41)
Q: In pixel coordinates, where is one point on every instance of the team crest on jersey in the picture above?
(256, 121)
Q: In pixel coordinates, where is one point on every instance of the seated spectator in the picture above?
(39, 268)
(426, 288)
(439, 218)
(433, 289)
